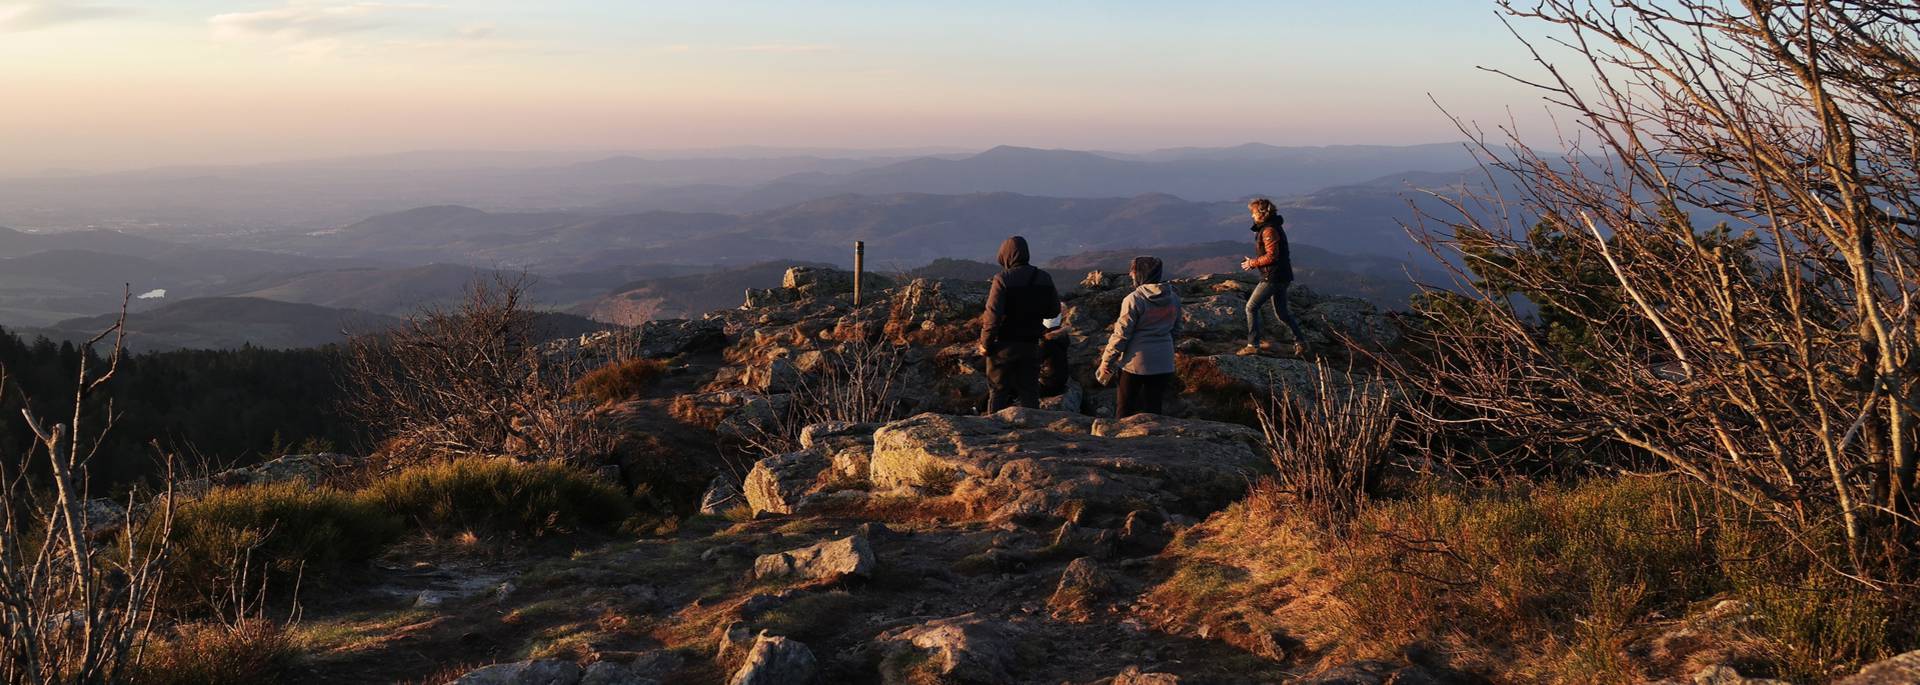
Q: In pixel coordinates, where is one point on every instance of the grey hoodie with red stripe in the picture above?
(1143, 336)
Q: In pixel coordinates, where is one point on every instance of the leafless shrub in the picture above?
(472, 381)
(1773, 361)
(1326, 443)
(854, 382)
(72, 610)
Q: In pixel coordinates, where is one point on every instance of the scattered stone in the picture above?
(874, 530)
(721, 495)
(1900, 670)
(850, 556)
(1082, 586)
(775, 660)
(961, 649)
(1727, 675)
(537, 672)
(732, 641)
(731, 549)
(780, 484)
(1357, 673)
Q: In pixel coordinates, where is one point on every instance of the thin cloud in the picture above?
(786, 48)
(308, 23)
(27, 16)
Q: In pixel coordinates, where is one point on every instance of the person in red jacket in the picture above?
(1275, 265)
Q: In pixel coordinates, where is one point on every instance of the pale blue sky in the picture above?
(119, 83)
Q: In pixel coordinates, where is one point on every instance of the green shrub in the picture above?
(279, 530)
(499, 495)
(620, 381)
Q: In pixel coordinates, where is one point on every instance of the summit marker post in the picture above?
(859, 268)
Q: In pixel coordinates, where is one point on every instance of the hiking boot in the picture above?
(1299, 349)
(1248, 351)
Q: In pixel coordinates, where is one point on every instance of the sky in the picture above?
(99, 85)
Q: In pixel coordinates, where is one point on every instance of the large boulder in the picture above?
(962, 649)
(930, 311)
(848, 446)
(775, 660)
(1027, 463)
(831, 560)
(780, 484)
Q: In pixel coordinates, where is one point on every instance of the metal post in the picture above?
(859, 268)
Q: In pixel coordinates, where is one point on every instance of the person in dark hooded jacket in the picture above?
(1140, 351)
(1019, 302)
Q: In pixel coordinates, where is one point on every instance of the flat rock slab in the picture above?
(1023, 463)
(961, 649)
(834, 559)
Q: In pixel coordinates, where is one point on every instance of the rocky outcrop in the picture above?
(831, 560)
(962, 649)
(537, 672)
(775, 660)
(1025, 463)
(781, 484)
(847, 446)
(926, 311)
(1900, 670)
(659, 339)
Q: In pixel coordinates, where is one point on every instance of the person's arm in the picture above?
(994, 316)
(1119, 341)
(1269, 249)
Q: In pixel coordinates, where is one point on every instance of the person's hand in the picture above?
(1104, 377)
(1246, 264)
(980, 349)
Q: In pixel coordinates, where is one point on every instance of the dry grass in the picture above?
(620, 381)
(249, 651)
(1548, 584)
(500, 495)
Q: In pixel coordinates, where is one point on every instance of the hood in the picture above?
(1013, 252)
(1145, 270)
(1157, 294)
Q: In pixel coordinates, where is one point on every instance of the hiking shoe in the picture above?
(1248, 351)
(1299, 349)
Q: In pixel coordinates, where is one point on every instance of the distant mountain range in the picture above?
(600, 236)
(900, 230)
(320, 194)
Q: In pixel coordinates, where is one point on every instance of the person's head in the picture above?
(1145, 270)
(1013, 252)
(1261, 208)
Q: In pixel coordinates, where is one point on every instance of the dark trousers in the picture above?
(1275, 293)
(1013, 374)
(1142, 394)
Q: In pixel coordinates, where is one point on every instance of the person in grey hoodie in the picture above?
(1140, 351)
